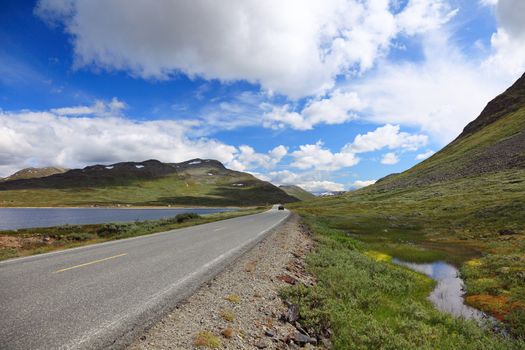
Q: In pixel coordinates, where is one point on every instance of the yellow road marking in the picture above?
(90, 263)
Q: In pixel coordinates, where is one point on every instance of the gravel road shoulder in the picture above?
(240, 308)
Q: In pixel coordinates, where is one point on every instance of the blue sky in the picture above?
(330, 95)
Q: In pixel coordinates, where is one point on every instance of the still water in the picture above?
(448, 294)
(15, 218)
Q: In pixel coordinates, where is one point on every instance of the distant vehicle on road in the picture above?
(281, 207)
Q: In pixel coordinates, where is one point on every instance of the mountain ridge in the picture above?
(151, 182)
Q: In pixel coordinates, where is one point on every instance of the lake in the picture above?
(15, 218)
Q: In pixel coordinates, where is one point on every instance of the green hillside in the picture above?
(33, 173)
(297, 192)
(149, 183)
(464, 205)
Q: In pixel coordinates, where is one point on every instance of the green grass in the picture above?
(370, 303)
(457, 221)
(297, 192)
(70, 236)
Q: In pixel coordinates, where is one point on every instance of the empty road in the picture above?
(103, 295)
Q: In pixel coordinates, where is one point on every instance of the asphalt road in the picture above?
(103, 295)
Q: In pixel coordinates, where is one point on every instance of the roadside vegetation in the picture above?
(364, 301)
(32, 241)
(474, 223)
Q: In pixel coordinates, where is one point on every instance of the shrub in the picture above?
(111, 230)
(516, 319)
(227, 315)
(80, 236)
(180, 218)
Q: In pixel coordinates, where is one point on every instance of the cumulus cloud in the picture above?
(335, 109)
(425, 155)
(363, 183)
(293, 47)
(247, 158)
(388, 136)
(438, 95)
(322, 186)
(320, 158)
(83, 135)
(508, 43)
(389, 158)
(311, 182)
(317, 157)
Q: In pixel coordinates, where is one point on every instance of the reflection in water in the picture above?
(448, 294)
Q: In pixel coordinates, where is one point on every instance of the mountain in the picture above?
(493, 142)
(194, 182)
(297, 192)
(31, 173)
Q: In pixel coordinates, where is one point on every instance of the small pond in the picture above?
(447, 296)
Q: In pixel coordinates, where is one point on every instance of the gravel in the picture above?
(243, 300)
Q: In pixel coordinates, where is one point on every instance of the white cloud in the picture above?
(312, 182)
(390, 158)
(363, 183)
(247, 158)
(83, 135)
(488, 2)
(285, 177)
(424, 155)
(386, 136)
(322, 186)
(293, 47)
(334, 109)
(280, 116)
(508, 43)
(99, 108)
(319, 158)
(439, 95)
(421, 16)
